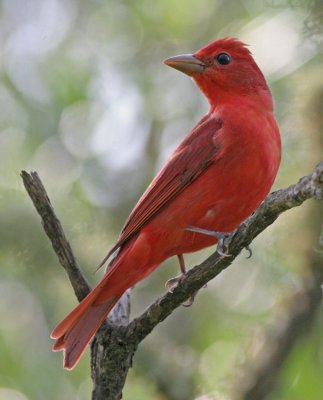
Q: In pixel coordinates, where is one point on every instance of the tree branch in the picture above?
(116, 342)
(310, 186)
(55, 233)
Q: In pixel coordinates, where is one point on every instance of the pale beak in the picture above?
(186, 63)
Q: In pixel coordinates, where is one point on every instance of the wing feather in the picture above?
(195, 154)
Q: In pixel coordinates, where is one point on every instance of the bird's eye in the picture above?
(223, 58)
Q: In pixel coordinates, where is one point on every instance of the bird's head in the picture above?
(221, 69)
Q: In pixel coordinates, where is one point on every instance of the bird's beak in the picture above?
(186, 63)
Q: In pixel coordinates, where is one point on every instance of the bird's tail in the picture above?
(75, 331)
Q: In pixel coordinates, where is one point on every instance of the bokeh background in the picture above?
(86, 101)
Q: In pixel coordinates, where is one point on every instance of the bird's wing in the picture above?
(196, 153)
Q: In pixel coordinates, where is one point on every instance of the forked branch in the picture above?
(116, 342)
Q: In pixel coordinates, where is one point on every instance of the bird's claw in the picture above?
(172, 283)
(248, 248)
(221, 247)
(221, 236)
(189, 301)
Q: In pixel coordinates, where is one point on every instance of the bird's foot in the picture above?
(190, 300)
(172, 283)
(221, 236)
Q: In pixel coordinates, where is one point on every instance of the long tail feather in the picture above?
(75, 331)
(80, 330)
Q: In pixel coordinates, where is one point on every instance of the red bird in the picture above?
(214, 180)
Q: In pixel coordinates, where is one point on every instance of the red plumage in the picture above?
(215, 179)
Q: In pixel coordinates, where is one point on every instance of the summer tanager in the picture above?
(214, 180)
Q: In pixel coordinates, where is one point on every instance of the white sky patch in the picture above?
(76, 127)
(34, 28)
(55, 164)
(42, 26)
(277, 43)
(119, 135)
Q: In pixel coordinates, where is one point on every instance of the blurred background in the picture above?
(86, 101)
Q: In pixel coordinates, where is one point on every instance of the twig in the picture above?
(55, 233)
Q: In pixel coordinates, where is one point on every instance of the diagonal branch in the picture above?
(310, 186)
(55, 233)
